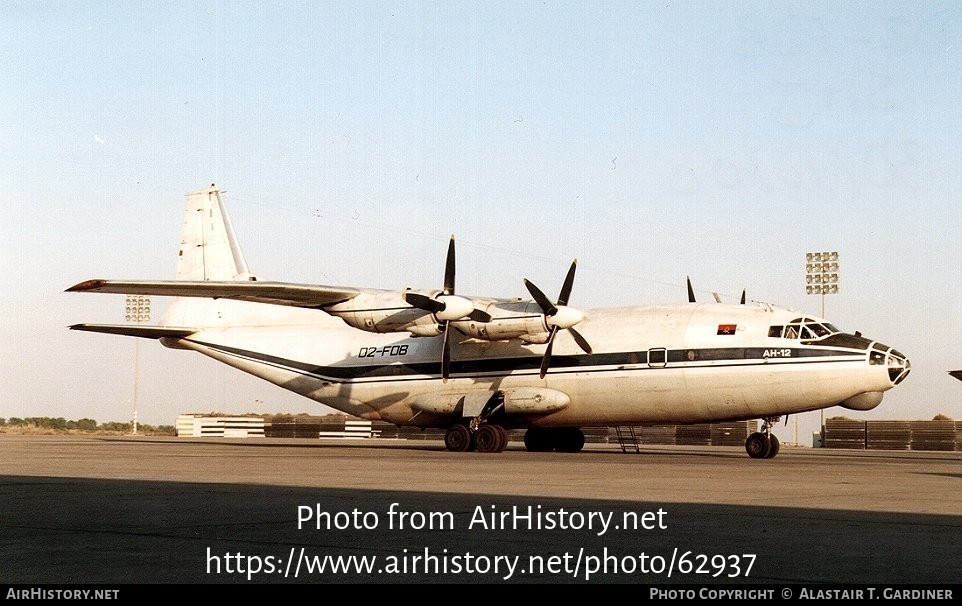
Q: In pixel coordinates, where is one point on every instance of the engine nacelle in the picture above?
(389, 312)
(521, 320)
(385, 312)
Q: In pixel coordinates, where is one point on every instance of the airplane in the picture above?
(478, 366)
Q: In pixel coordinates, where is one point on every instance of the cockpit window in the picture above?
(840, 339)
(803, 328)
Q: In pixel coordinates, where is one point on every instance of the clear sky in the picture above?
(721, 140)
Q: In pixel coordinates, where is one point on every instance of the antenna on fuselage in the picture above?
(691, 293)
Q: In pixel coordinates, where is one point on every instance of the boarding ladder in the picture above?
(627, 438)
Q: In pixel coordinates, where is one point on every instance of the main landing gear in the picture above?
(486, 438)
(479, 434)
(482, 435)
(489, 437)
(763, 445)
(562, 439)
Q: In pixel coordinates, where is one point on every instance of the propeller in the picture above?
(558, 316)
(446, 308)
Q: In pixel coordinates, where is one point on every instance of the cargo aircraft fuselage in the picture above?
(478, 366)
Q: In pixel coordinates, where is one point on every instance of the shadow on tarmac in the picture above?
(88, 531)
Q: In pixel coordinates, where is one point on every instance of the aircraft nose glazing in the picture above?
(895, 361)
(899, 366)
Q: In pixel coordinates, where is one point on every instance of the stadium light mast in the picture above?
(137, 310)
(821, 274)
(821, 278)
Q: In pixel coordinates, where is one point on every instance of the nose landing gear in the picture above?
(763, 445)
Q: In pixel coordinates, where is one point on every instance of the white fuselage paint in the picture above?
(708, 376)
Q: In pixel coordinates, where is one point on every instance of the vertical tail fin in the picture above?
(208, 247)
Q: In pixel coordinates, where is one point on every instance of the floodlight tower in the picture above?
(137, 310)
(821, 274)
(821, 278)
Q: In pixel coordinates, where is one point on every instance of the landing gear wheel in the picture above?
(569, 439)
(562, 439)
(490, 438)
(774, 449)
(538, 440)
(758, 445)
(458, 438)
(502, 436)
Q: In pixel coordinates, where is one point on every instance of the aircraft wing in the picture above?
(274, 293)
(130, 330)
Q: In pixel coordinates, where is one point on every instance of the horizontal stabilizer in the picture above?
(130, 330)
(274, 293)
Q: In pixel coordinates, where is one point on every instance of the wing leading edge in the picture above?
(273, 293)
(146, 332)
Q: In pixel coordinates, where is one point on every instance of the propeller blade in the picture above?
(457, 308)
(546, 360)
(581, 341)
(445, 354)
(543, 302)
(568, 283)
(423, 302)
(691, 292)
(743, 301)
(566, 316)
(449, 269)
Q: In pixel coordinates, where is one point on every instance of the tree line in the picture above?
(91, 425)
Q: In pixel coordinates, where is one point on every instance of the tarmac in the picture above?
(81, 510)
